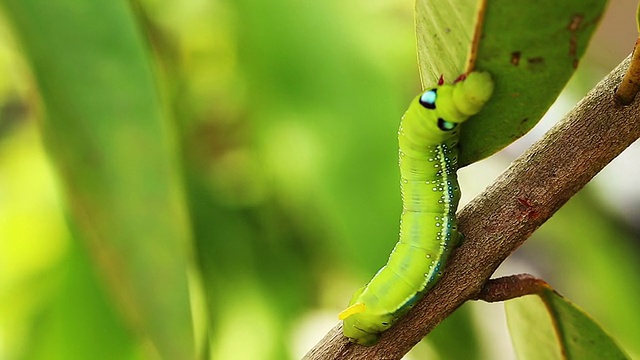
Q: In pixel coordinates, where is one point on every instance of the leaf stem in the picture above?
(477, 35)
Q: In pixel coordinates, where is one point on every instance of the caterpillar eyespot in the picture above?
(428, 99)
(428, 157)
(445, 125)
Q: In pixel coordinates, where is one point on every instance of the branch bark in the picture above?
(511, 287)
(500, 219)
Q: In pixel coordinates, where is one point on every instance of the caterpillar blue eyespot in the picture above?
(428, 99)
(445, 125)
(430, 195)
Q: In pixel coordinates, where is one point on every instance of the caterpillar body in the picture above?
(428, 153)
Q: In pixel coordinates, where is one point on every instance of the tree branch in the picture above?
(500, 219)
(511, 287)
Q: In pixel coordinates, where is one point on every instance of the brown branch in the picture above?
(511, 287)
(499, 220)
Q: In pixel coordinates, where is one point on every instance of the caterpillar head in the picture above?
(439, 110)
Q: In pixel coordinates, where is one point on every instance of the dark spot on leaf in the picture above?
(536, 64)
(575, 22)
(515, 58)
(573, 27)
(536, 60)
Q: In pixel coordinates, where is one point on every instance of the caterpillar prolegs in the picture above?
(428, 157)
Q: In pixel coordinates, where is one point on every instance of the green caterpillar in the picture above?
(428, 139)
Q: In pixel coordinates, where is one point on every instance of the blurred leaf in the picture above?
(455, 329)
(550, 327)
(109, 138)
(28, 253)
(607, 257)
(253, 221)
(79, 322)
(530, 64)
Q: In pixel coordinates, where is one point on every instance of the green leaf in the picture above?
(456, 328)
(610, 247)
(109, 138)
(549, 326)
(444, 31)
(530, 63)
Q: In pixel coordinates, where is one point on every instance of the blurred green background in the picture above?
(284, 116)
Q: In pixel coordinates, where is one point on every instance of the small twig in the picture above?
(511, 287)
(630, 85)
(500, 219)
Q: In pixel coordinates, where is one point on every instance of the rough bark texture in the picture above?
(500, 219)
